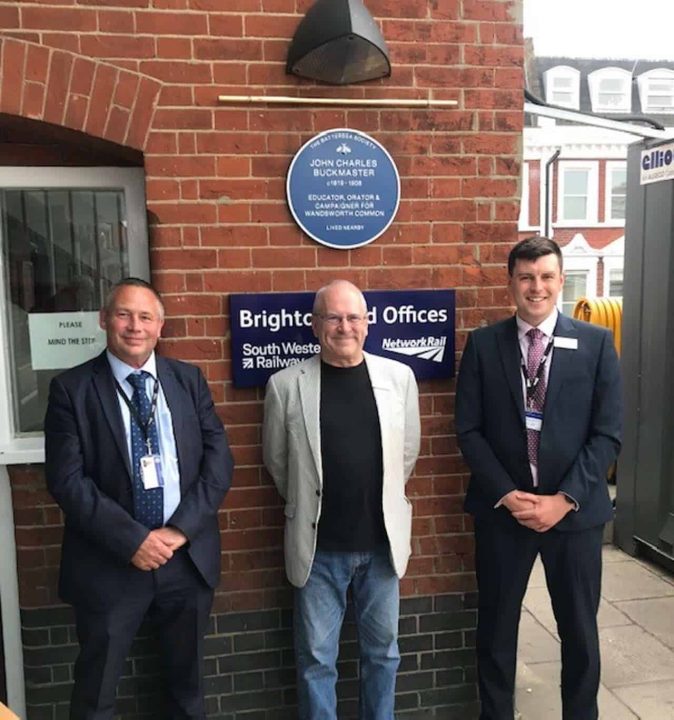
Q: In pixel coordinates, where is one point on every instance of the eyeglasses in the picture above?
(336, 320)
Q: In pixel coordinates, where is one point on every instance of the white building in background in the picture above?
(574, 176)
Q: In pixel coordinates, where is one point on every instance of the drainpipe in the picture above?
(548, 209)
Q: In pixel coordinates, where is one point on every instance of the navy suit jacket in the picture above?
(89, 474)
(581, 432)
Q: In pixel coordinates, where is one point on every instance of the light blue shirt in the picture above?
(167, 442)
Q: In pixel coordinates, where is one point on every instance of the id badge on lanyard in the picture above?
(533, 420)
(150, 472)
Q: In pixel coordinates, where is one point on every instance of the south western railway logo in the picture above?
(425, 348)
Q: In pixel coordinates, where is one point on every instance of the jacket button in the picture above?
(313, 525)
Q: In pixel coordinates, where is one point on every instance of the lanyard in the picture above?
(532, 382)
(144, 425)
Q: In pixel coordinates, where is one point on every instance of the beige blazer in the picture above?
(292, 454)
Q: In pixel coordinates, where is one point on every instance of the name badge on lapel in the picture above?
(534, 420)
(566, 343)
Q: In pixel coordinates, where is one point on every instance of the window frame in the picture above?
(613, 256)
(644, 81)
(579, 256)
(131, 180)
(594, 80)
(577, 272)
(591, 217)
(523, 223)
(612, 165)
(609, 272)
(562, 72)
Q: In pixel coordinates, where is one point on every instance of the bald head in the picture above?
(338, 288)
(340, 323)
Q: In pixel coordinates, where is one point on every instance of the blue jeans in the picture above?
(319, 611)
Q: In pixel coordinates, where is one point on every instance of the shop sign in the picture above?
(657, 164)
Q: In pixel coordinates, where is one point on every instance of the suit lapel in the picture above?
(309, 382)
(381, 389)
(561, 360)
(104, 383)
(511, 359)
(175, 399)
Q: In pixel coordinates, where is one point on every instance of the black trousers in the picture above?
(505, 553)
(178, 602)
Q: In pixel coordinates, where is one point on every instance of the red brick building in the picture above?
(110, 91)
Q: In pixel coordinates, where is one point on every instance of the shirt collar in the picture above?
(121, 370)
(547, 327)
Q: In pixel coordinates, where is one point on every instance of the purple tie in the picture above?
(534, 358)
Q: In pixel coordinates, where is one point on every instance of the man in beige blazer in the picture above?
(341, 436)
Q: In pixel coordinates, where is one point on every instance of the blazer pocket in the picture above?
(289, 510)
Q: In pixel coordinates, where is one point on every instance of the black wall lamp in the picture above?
(338, 42)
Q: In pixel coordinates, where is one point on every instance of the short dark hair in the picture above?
(132, 282)
(533, 248)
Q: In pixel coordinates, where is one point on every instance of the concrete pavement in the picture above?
(636, 628)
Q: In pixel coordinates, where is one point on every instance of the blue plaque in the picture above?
(271, 331)
(343, 188)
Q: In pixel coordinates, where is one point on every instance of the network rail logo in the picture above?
(424, 348)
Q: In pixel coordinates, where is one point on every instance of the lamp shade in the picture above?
(338, 42)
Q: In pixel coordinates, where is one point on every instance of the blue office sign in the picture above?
(271, 331)
(343, 188)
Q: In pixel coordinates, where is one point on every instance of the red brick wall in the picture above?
(147, 73)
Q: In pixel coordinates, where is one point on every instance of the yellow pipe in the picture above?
(603, 311)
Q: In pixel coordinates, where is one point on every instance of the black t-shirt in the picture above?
(352, 519)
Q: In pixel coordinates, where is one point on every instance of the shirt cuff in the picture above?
(500, 502)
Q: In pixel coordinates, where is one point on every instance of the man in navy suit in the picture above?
(538, 420)
(138, 461)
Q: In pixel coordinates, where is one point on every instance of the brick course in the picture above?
(249, 665)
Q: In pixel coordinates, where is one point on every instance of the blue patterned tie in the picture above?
(148, 505)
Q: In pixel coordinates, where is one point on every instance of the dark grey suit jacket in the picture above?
(88, 473)
(581, 432)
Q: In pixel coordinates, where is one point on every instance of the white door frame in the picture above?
(9, 596)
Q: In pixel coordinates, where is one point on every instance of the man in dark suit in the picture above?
(538, 420)
(138, 461)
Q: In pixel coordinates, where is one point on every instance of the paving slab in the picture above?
(631, 655)
(537, 695)
(611, 554)
(655, 615)
(636, 628)
(658, 570)
(632, 581)
(650, 701)
(537, 602)
(535, 643)
(537, 577)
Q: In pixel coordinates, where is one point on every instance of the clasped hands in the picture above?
(537, 512)
(158, 548)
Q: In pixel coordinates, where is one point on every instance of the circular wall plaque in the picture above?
(343, 188)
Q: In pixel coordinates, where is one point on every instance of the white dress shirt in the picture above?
(167, 443)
